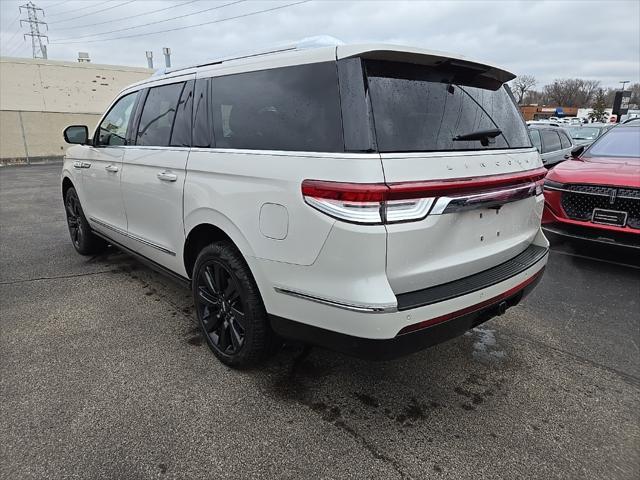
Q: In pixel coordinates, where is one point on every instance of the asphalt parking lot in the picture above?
(103, 375)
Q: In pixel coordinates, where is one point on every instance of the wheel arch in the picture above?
(67, 183)
(206, 226)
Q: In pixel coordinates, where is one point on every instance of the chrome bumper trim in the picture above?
(354, 307)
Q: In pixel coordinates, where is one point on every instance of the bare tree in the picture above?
(522, 85)
(571, 92)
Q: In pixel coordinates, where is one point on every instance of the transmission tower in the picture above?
(39, 49)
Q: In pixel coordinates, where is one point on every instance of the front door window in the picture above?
(113, 128)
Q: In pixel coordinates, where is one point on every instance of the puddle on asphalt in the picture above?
(485, 346)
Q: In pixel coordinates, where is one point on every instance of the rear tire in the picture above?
(229, 308)
(83, 239)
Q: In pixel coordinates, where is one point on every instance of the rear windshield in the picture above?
(621, 142)
(417, 108)
(584, 133)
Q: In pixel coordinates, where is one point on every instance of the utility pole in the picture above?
(39, 49)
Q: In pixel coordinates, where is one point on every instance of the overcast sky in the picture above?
(597, 40)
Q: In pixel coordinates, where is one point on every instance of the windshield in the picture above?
(419, 108)
(618, 142)
(584, 133)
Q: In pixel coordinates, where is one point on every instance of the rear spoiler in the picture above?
(483, 75)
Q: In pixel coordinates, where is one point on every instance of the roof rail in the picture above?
(304, 44)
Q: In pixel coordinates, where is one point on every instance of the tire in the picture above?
(83, 239)
(229, 308)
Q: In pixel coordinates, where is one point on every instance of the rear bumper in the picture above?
(412, 338)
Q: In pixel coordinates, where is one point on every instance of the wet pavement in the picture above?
(103, 374)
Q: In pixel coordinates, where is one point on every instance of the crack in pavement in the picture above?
(26, 280)
(628, 378)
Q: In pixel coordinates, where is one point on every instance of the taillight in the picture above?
(351, 202)
(380, 203)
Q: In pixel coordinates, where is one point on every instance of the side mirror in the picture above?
(76, 134)
(576, 152)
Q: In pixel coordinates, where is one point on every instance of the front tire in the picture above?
(229, 308)
(83, 239)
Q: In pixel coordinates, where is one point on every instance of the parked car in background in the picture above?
(587, 134)
(596, 194)
(543, 123)
(263, 183)
(553, 143)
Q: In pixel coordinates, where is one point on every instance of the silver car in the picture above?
(553, 143)
(587, 134)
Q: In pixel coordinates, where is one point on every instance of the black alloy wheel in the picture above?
(229, 307)
(220, 308)
(74, 218)
(84, 240)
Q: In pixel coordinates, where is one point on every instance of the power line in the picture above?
(84, 15)
(120, 19)
(57, 4)
(188, 26)
(8, 44)
(74, 10)
(60, 40)
(14, 20)
(22, 42)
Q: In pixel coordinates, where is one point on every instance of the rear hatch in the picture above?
(448, 131)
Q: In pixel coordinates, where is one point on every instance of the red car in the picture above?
(595, 195)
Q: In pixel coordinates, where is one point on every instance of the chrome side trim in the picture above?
(354, 307)
(489, 199)
(132, 236)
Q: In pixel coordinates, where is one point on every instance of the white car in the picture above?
(371, 199)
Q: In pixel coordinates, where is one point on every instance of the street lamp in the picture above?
(624, 82)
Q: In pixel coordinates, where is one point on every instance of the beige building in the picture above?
(39, 98)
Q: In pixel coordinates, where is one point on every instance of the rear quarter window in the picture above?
(292, 108)
(534, 135)
(550, 141)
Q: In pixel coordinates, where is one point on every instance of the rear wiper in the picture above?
(485, 136)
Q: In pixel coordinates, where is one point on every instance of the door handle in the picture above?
(167, 176)
(112, 168)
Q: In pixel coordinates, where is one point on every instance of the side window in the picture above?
(534, 135)
(550, 140)
(289, 108)
(113, 128)
(202, 115)
(564, 140)
(157, 116)
(181, 134)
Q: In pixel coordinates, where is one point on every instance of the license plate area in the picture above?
(609, 217)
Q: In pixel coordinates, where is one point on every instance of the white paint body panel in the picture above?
(154, 206)
(295, 247)
(101, 196)
(443, 248)
(235, 184)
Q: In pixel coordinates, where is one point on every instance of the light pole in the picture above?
(624, 82)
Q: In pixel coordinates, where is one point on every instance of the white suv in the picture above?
(370, 199)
